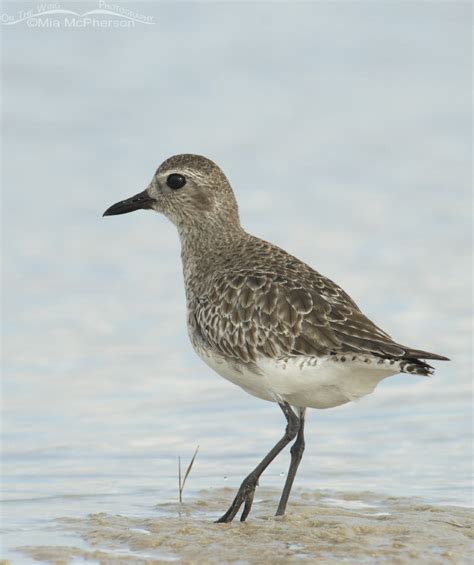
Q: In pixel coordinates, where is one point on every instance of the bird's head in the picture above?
(188, 189)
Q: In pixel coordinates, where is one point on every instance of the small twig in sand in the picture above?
(182, 482)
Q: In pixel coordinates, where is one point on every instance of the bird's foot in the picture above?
(245, 494)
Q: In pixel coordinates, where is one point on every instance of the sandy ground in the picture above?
(326, 527)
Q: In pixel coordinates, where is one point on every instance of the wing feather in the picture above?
(251, 313)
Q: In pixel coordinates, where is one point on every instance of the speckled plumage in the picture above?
(261, 301)
(248, 298)
(262, 318)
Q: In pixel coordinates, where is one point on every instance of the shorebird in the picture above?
(263, 319)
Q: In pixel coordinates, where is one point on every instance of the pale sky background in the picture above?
(345, 130)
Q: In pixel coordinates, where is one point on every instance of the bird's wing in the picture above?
(248, 314)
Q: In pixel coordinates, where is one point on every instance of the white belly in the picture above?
(304, 381)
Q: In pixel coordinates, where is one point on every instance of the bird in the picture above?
(263, 319)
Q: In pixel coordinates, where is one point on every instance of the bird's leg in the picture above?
(297, 450)
(247, 488)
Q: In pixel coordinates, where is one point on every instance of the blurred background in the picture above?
(345, 130)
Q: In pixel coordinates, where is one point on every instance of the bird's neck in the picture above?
(204, 250)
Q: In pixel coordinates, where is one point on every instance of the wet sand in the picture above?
(327, 527)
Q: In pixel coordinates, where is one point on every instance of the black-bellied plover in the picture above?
(263, 319)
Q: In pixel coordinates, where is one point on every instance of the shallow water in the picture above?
(330, 527)
(347, 143)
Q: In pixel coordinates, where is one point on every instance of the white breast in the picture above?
(304, 381)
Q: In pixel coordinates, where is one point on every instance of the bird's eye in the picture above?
(175, 181)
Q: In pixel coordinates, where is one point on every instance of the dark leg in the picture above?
(297, 450)
(247, 488)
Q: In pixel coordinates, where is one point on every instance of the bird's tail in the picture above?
(412, 362)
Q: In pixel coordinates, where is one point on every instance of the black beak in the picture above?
(140, 201)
